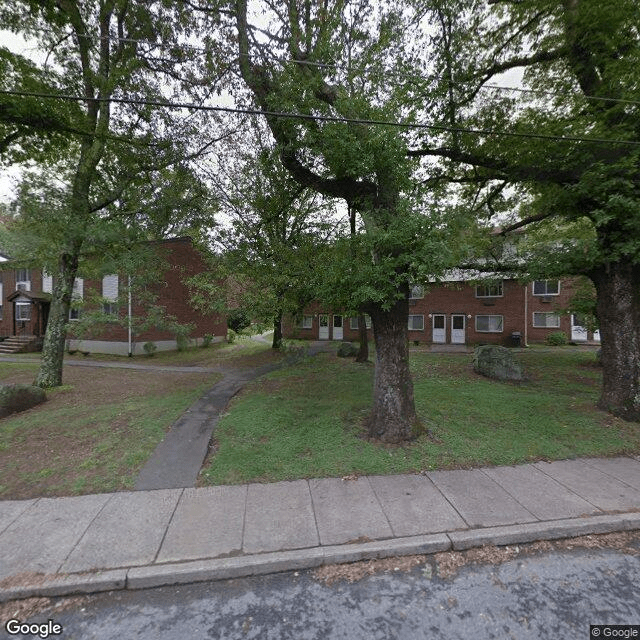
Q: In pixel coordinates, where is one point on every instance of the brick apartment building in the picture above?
(458, 312)
(25, 296)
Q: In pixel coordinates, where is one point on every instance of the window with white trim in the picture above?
(489, 324)
(544, 319)
(110, 308)
(353, 323)
(23, 311)
(417, 292)
(546, 287)
(416, 323)
(306, 322)
(493, 290)
(77, 294)
(47, 282)
(23, 280)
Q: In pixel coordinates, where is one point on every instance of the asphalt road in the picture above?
(556, 595)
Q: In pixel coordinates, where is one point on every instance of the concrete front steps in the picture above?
(19, 344)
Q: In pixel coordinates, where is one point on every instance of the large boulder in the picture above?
(347, 350)
(497, 362)
(19, 397)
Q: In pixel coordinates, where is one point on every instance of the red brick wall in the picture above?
(8, 276)
(183, 260)
(460, 299)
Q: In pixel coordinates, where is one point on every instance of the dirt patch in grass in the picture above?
(92, 435)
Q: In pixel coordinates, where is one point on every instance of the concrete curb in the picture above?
(244, 566)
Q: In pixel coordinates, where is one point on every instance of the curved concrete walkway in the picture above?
(178, 458)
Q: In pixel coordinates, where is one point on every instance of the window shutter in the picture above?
(110, 288)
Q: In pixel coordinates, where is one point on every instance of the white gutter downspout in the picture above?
(129, 323)
(526, 314)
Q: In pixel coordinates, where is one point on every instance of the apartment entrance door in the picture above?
(439, 328)
(458, 322)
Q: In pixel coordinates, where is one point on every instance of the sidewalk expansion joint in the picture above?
(214, 569)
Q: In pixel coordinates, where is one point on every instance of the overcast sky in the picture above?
(9, 174)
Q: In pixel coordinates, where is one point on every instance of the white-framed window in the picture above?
(353, 323)
(546, 287)
(489, 324)
(23, 280)
(416, 323)
(23, 311)
(77, 292)
(545, 319)
(47, 282)
(417, 292)
(493, 290)
(306, 322)
(110, 308)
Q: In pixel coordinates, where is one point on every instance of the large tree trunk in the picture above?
(277, 331)
(363, 351)
(393, 418)
(50, 373)
(618, 307)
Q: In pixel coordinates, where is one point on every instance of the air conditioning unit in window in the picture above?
(22, 286)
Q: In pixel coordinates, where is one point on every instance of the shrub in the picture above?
(237, 320)
(19, 397)
(231, 336)
(150, 348)
(557, 338)
(206, 340)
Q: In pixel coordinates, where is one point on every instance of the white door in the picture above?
(596, 335)
(323, 332)
(439, 334)
(337, 328)
(578, 332)
(457, 329)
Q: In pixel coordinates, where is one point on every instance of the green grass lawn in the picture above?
(93, 434)
(305, 421)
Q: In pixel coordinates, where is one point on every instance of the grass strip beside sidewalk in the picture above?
(305, 421)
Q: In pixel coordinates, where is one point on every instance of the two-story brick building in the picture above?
(460, 312)
(25, 297)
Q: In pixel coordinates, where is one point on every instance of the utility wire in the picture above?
(360, 70)
(304, 116)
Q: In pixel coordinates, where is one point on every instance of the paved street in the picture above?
(549, 596)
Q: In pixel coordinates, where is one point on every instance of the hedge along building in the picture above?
(459, 311)
(25, 295)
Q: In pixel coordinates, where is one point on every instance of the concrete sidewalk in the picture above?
(55, 546)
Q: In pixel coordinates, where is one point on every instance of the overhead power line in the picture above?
(359, 70)
(304, 116)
